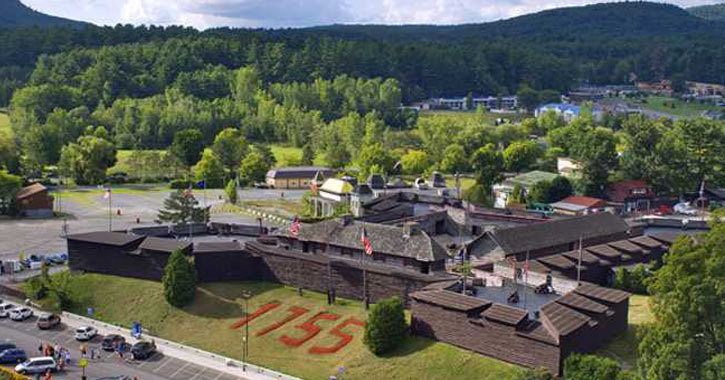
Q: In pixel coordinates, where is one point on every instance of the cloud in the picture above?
(297, 13)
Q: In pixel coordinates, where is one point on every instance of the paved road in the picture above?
(26, 336)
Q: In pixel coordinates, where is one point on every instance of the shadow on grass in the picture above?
(225, 300)
(411, 344)
(624, 348)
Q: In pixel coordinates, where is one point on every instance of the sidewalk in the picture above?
(181, 352)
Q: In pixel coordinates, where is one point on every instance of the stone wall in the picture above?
(117, 261)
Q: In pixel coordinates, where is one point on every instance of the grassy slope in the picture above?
(290, 156)
(682, 109)
(206, 324)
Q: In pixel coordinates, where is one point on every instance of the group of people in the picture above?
(62, 356)
(58, 352)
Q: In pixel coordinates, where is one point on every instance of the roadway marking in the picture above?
(144, 362)
(173, 375)
(165, 362)
(218, 376)
(198, 373)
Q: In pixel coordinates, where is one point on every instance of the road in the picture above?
(26, 336)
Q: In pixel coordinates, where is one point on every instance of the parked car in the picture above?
(109, 342)
(685, 209)
(437, 180)
(13, 355)
(420, 184)
(261, 185)
(6, 345)
(58, 258)
(47, 321)
(21, 313)
(85, 333)
(37, 365)
(5, 309)
(143, 350)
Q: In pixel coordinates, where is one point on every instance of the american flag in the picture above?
(366, 242)
(294, 228)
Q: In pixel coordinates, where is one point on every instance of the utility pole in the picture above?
(245, 351)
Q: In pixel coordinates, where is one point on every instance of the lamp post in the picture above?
(246, 295)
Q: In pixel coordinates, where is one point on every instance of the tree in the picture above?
(687, 294)
(539, 193)
(588, 367)
(179, 280)
(253, 168)
(231, 191)
(308, 154)
(560, 189)
(375, 155)
(521, 155)
(9, 187)
(9, 153)
(385, 327)
(230, 146)
(596, 150)
(528, 98)
(415, 162)
(210, 169)
(180, 207)
(714, 369)
(488, 164)
(87, 160)
(454, 159)
(517, 195)
(266, 153)
(187, 146)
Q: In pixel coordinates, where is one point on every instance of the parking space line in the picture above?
(218, 376)
(162, 365)
(198, 373)
(173, 375)
(143, 363)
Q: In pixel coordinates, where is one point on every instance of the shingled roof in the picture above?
(384, 239)
(117, 239)
(557, 232)
(505, 314)
(601, 293)
(563, 319)
(582, 303)
(216, 247)
(29, 191)
(450, 300)
(299, 172)
(164, 245)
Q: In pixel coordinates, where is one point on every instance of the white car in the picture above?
(685, 209)
(37, 365)
(21, 313)
(5, 309)
(85, 333)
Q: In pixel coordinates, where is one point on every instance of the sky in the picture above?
(203, 14)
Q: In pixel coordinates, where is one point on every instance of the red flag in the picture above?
(294, 228)
(366, 242)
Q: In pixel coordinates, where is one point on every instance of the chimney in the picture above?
(346, 220)
(411, 229)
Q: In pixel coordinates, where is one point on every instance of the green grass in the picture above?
(206, 324)
(291, 156)
(488, 117)
(682, 109)
(124, 163)
(624, 347)
(291, 207)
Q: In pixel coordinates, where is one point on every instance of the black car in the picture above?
(110, 342)
(143, 350)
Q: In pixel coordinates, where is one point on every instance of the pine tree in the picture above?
(179, 280)
(181, 208)
(385, 327)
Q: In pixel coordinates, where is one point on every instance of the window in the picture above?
(378, 257)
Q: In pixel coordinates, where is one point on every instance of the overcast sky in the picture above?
(203, 14)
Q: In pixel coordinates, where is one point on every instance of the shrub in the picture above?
(633, 280)
(231, 191)
(179, 280)
(385, 327)
(534, 374)
(587, 367)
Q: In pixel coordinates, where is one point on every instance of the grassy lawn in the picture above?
(206, 324)
(624, 348)
(286, 206)
(488, 117)
(124, 164)
(682, 109)
(291, 156)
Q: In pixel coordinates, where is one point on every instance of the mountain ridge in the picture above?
(14, 13)
(712, 12)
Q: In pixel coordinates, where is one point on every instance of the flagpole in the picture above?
(365, 276)
(110, 212)
(526, 277)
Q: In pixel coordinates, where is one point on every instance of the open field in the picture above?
(624, 348)
(488, 117)
(291, 156)
(207, 324)
(681, 108)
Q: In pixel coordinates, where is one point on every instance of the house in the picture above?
(663, 87)
(705, 89)
(334, 193)
(34, 201)
(298, 177)
(568, 112)
(503, 190)
(568, 167)
(543, 239)
(631, 195)
(576, 205)
(486, 102)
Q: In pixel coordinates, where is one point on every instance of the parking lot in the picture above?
(158, 367)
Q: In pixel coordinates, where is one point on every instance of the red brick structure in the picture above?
(34, 201)
(580, 321)
(632, 195)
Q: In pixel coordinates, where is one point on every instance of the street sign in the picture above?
(83, 362)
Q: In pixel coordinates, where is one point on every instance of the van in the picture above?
(37, 365)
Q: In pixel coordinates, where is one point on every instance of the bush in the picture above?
(534, 374)
(633, 280)
(587, 367)
(386, 327)
(231, 191)
(179, 280)
(180, 184)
